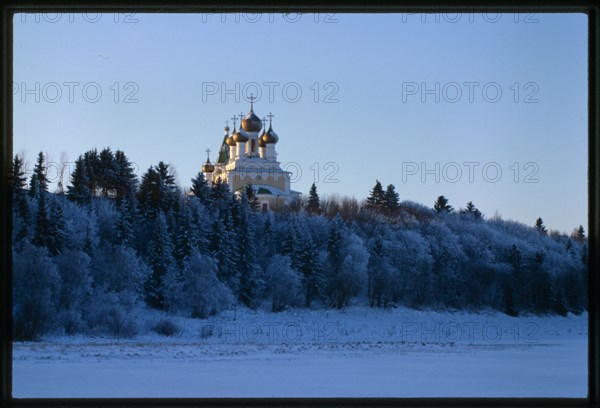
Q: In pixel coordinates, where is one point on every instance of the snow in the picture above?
(357, 352)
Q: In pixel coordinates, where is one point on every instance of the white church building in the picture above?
(248, 156)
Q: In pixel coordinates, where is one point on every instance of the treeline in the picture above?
(84, 261)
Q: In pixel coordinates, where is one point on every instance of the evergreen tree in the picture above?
(158, 191)
(508, 300)
(376, 200)
(314, 205)
(540, 227)
(56, 230)
(471, 210)
(125, 231)
(540, 287)
(579, 234)
(160, 261)
(125, 178)
(517, 278)
(268, 239)
(201, 189)
(391, 199)
(559, 306)
(22, 217)
(221, 196)
(42, 223)
(79, 190)
(306, 260)
(251, 197)
(17, 180)
(107, 176)
(250, 282)
(185, 239)
(92, 170)
(223, 247)
(39, 181)
(441, 205)
(378, 277)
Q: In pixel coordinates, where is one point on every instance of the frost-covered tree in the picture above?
(379, 275)
(75, 288)
(284, 283)
(250, 282)
(158, 191)
(202, 293)
(36, 286)
(201, 189)
(223, 247)
(160, 260)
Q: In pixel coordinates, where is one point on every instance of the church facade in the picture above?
(248, 156)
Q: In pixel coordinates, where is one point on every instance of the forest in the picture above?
(87, 256)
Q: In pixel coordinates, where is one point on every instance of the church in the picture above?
(248, 157)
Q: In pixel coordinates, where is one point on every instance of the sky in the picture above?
(489, 108)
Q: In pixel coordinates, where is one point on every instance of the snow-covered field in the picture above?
(358, 352)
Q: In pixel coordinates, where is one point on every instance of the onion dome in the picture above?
(251, 122)
(270, 136)
(239, 137)
(229, 140)
(261, 142)
(208, 167)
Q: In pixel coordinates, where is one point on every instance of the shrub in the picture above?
(167, 328)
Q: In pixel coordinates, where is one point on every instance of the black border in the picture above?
(307, 6)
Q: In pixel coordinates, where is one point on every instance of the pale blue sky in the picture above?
(372, 130)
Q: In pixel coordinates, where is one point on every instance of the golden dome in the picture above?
(240, 136)
(208, 167)
(251, 122)
(261, 142)
(230, 141)
(270, 136)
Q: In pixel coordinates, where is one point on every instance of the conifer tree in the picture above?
(42, 224)
(56, 230)
(580, 234)
(376, 200)
(441, 205)
(79, 190)
(251, 198)
(125, 177)
(314, 204)
(540, 227)
(249, 279)
(18, 184)
(160, 261)
(39, 181)
(201, 189)
(391, 199)
(223, 247)
(125, 222)
(472, 211)
(185, 239)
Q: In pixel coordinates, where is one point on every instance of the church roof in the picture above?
(223, 157)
